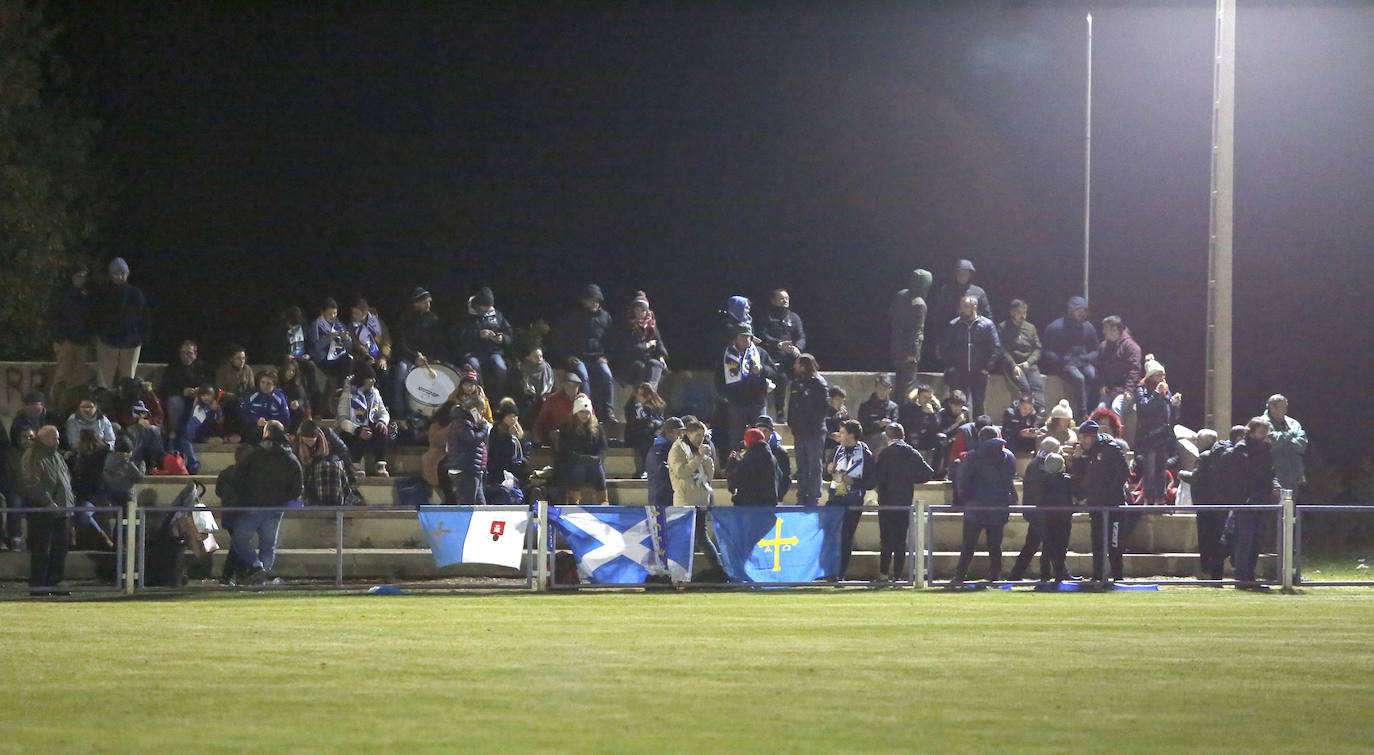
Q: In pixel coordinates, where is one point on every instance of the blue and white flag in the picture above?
(778, 543)
(622, 545)
(475, 535)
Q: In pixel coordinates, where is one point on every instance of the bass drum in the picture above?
(427, 388)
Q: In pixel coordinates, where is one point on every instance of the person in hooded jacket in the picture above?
(986, 480)
(899, 469)
(754, 477)
(783, 336)
(483, 338)
(643, 357)
(1118, 366)
(1100, 474)
(737, 311)
(656, 468)
(806, 412)
(123, 323)
(1155, 444)
(908, 329)
(1247, 477)
(1032, 485)
(1069, 350)
(69, 319)
(971, 351)
(583, 341)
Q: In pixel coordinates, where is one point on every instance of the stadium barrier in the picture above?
(1308, 512)
(114, 563)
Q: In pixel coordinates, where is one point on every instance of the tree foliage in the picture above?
(48, 199)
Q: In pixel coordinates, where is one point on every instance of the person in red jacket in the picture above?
(557, 408)
(1118, 366)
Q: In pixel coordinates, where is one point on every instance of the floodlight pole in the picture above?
(1217, 411)
(1088, 158)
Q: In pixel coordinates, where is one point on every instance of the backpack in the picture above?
(172, 465)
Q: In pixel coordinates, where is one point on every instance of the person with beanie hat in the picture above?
(1059, 425)
(742, 383)
(419, 340)
(69, 319)
(1069, 348)
(753, 475)
(1155, 444)
(364, 421)
(582, 340)
(642, 356)
(463, 470)
(483, 335)
(579, 464)
(656, 470)
(123, 323)
(1055, 492)
(1118, 366)
(783, 336)
(1032, 486)
(1100, 473)
(909, 310)
(506, 455)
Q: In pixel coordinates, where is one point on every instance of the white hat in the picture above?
(582, 403)
(1152, 366)
(1061, 410)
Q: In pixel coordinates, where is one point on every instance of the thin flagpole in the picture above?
(1088, 159)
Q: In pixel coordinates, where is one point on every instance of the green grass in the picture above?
(823, 671)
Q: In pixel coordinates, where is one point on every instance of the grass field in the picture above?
(1178, 670)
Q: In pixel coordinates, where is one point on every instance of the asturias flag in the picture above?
(778, 543)
(475, 535)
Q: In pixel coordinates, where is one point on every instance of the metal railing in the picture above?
(117, 556)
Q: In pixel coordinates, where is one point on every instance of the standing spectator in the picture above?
(783, 336)
(272, 478)
(329, 344)
(262, 406)
(1069, 350)
(736, 312)
(583, 335)
(557, 408)
(898, 470)
(285, 341)
(419, 342)
(764, 424)
(745, 372)
(69, 318)
(877, 412)
(1032, 487)
(643, 418)
(1118, 366)
(908, 329)
(483, 338)
(807, 409)
(463, 472)
(534, 384)
(364, 421)
(836, 415)
(1021, 425)
(1056, 492)
(851, 473)
(1247, 476)
(656, 463)
(986, 484)
(1156, 413)
(579, 465)
(949, 298)
(1099, 471)
(123, 325)
(920, 417)
(506, 455)
(234, 378)
(691, 467)
(1206, 485)
(754, 477)
(88, 417)
(643, 356)
(232, 490)
(970, 351)
(436, 436)
(1287, 442)
(46, 482)
(180, 381)
(1021, 345)
(324, 469)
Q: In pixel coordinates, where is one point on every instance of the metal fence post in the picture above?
(918, 546)
(338, 548)
(541, 551)
(1286, 555)
(130, 546)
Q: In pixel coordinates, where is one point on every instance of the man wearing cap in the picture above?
(557, 408)
(743, 382)
(656, 462)
(419, 341)
(971, 350)
(123, 324)
(69, 318)
(754, 477)
(908, 329)
(483, 336)
(1287, 442)
(582, 340)
(765, 425)
(1100, 473)
(1069, 350)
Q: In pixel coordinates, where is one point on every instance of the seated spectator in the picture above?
(965, 439)
(971, 351)
(88, 418)
(582, 339)
(204, 421)
(34, 414)
(506, 455)
(235, 381)
(1118, 366)
(371, 343)
(14, 492)
(557, 408)
(483, 337)
(1060, 425)
(363, 420)
(324, 468)
(1021, 426)
(121, 472)
(293, 386)
(877, 412)
(953, 415)
(656, 463)
(139, 412)
(419, 341)
(88, 468)
(262, 406)
(286, 342)
(753, 474)
(177, 388)
(329, 344)
(643, 357)
(920, 420)
(643, 418)
(783, 336)
(534, 384)
(834, 419)
(579, 466)
(1069, 350)
(1021, 347)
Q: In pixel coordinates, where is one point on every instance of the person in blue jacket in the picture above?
(971, 350)
(1068, 349)
(986, 480)
(264, 405)
(656, 462)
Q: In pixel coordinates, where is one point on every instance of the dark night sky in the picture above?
(286, 151)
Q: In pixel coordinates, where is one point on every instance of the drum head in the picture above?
(428, 387)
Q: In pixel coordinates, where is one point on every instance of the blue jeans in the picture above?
(1079, 383)
(1152, 463)
(492, 368)
(809, 450)
(596, 375)
(262, 524)
(851, 501)
(184, 447)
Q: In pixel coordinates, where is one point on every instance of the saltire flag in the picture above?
(622, 545)
(475, 535)
(778, 543)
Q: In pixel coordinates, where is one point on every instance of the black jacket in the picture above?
(1205, 482)
(632, 345)
(780, 324)
(582, 446)
(947, 300)
(177, 377)
(419, 333)
(474, 322)
(1013, 422)
(874, 410)
(69, 316)
(809, 404)
(504, 454)
(909, 318)
(971, 346)
(899, 469)
(921, 428)
(122, 317)
(467, 445)
(271, 476)
(754, 478)
(582, 334)
(1101, 473)
(1246, 474)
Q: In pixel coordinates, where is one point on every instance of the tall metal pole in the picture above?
(1219, 240)
(1088, 159)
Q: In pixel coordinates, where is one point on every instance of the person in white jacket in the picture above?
(363, 420)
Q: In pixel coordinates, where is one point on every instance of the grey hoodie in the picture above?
(909, 317)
